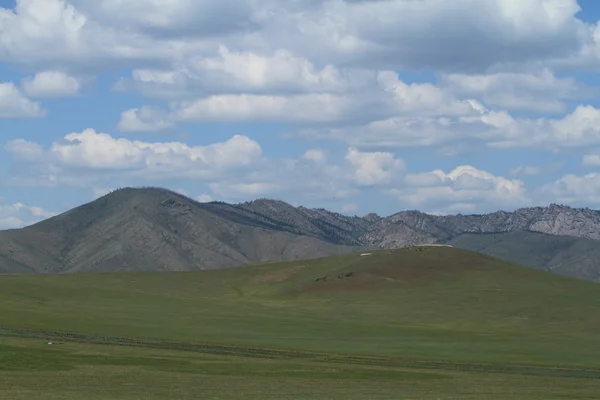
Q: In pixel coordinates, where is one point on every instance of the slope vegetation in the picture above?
(434, 303)
(418, 323)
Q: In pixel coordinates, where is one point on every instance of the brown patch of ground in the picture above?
(279, 275)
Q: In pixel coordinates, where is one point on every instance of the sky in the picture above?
(357, 106)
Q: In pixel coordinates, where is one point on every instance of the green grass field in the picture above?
(434, 324)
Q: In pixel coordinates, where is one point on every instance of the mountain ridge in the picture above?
(158, 229)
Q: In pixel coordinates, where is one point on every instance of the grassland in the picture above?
(439, 323)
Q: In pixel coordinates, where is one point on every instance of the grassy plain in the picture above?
(439, 323)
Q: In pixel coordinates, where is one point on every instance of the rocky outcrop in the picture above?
(412, 226)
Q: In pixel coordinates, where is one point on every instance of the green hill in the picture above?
(411, 323)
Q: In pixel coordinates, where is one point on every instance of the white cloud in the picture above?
(532, 170)
(461, 35)
(243, 190)
(495, 129)
(51, 84)
(24, 149)
(423, 98)
(87, 157)
(173, 17)
(236, 170)
(573, 190)
(13, 104)
(328, 69)
(368, 97)
(314, 178)
(374, 168)
(144, 119)
(311, 177)
(315, 155)
(463, 189)
(322, 108)
(232, 72)
(18, 215)
(526, 170)
(324, 65)
(591, 160)
(540, 91)
(580, 128)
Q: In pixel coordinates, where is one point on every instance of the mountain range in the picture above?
(153, 229)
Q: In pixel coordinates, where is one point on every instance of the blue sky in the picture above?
(375, 106)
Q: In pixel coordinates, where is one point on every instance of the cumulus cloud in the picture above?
(55, 34)
(374, 168)
(462, 35)
(88, 157)
(494, 129)
(311, 108)
(532, 170)
(574, 190)
(324, 64)
(580, 128)
(325, 69)
(174, 18)
(232, 72)
(464, 189)
(13, 104)
(366, 97)
(51, 84)
(538, 91)
(591, 160)
(236, 170)
(144, 119)
(18, 215)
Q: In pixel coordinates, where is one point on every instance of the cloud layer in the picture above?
(236, 170)
(352, 88)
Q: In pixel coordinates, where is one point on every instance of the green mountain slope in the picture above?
(564, 255)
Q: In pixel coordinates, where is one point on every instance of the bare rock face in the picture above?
(413, 226)
(565, 221)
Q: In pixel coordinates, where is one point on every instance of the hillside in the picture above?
(564, 255)
(422, 323)
(432, 302)
(149, 230)
(159, 230)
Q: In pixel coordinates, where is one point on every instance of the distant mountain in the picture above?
(406, 227)
(158, 230)
(154, 230)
